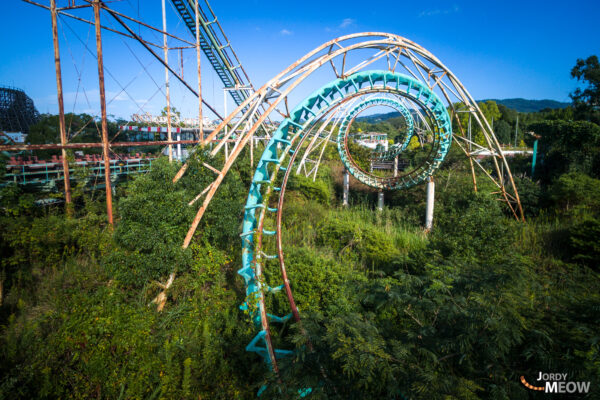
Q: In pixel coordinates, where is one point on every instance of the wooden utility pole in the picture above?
(61, 106)
(105, 149)
(199, 76)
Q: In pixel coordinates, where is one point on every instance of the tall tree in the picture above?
(503, 131)
(587, 100)
(490, 111)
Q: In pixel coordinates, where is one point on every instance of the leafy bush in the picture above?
(584, 245)
(154, 217)
(471, 224)
(462, 318)
(567, 146)
(575, 190)
(318, 190)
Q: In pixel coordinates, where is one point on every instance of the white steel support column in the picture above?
(395, 166)
(167, 93)
(430, 201)
(179, 154)
(380, 200)
(252, 153)
(225, 112)
(346, 187)
(200, 126)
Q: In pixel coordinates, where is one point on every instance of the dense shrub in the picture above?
(575, 190)
(584, 244)
(318, 190)
(153, 222)
(463, 318)
(387, 310)
(343, 237)
(567, 146)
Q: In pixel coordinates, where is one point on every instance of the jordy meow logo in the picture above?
(548, 382)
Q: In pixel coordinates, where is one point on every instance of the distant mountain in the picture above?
(374, 118)
(520, 105)
(524, 105)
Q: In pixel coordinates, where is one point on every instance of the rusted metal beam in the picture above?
(135, 36)
(105, 147)
(88, 22)
(460, 127)
(163, 31)
(61, 106)
(60, 11)
(56, 146)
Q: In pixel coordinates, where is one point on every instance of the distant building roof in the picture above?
(373, 134)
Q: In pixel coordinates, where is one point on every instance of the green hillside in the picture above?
(517, 104)
(525, 105)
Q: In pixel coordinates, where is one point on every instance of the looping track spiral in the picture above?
(265, 198)
(442, 101)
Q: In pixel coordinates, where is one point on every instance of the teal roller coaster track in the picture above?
(396, 148)
(273, 168)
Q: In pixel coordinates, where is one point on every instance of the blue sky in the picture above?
(499, 49)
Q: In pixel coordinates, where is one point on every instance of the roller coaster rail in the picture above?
(424, 81)
(216, 47)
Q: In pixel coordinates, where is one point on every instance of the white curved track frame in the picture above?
(400, 55)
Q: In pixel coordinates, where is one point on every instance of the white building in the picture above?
(175, 119)
(372, 140)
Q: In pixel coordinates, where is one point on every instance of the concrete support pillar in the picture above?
(346, 188)
(395, 166)
(430, 201)
(179, 154)
(380, 200)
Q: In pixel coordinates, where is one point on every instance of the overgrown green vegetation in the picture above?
(389, 312)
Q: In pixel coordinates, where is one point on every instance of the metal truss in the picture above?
(346, 56)
(17, 111)
(411, 75)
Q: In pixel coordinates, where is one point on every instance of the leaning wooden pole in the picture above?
(167, 88)
(105, 148)
(61, 106)
(200, 125)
